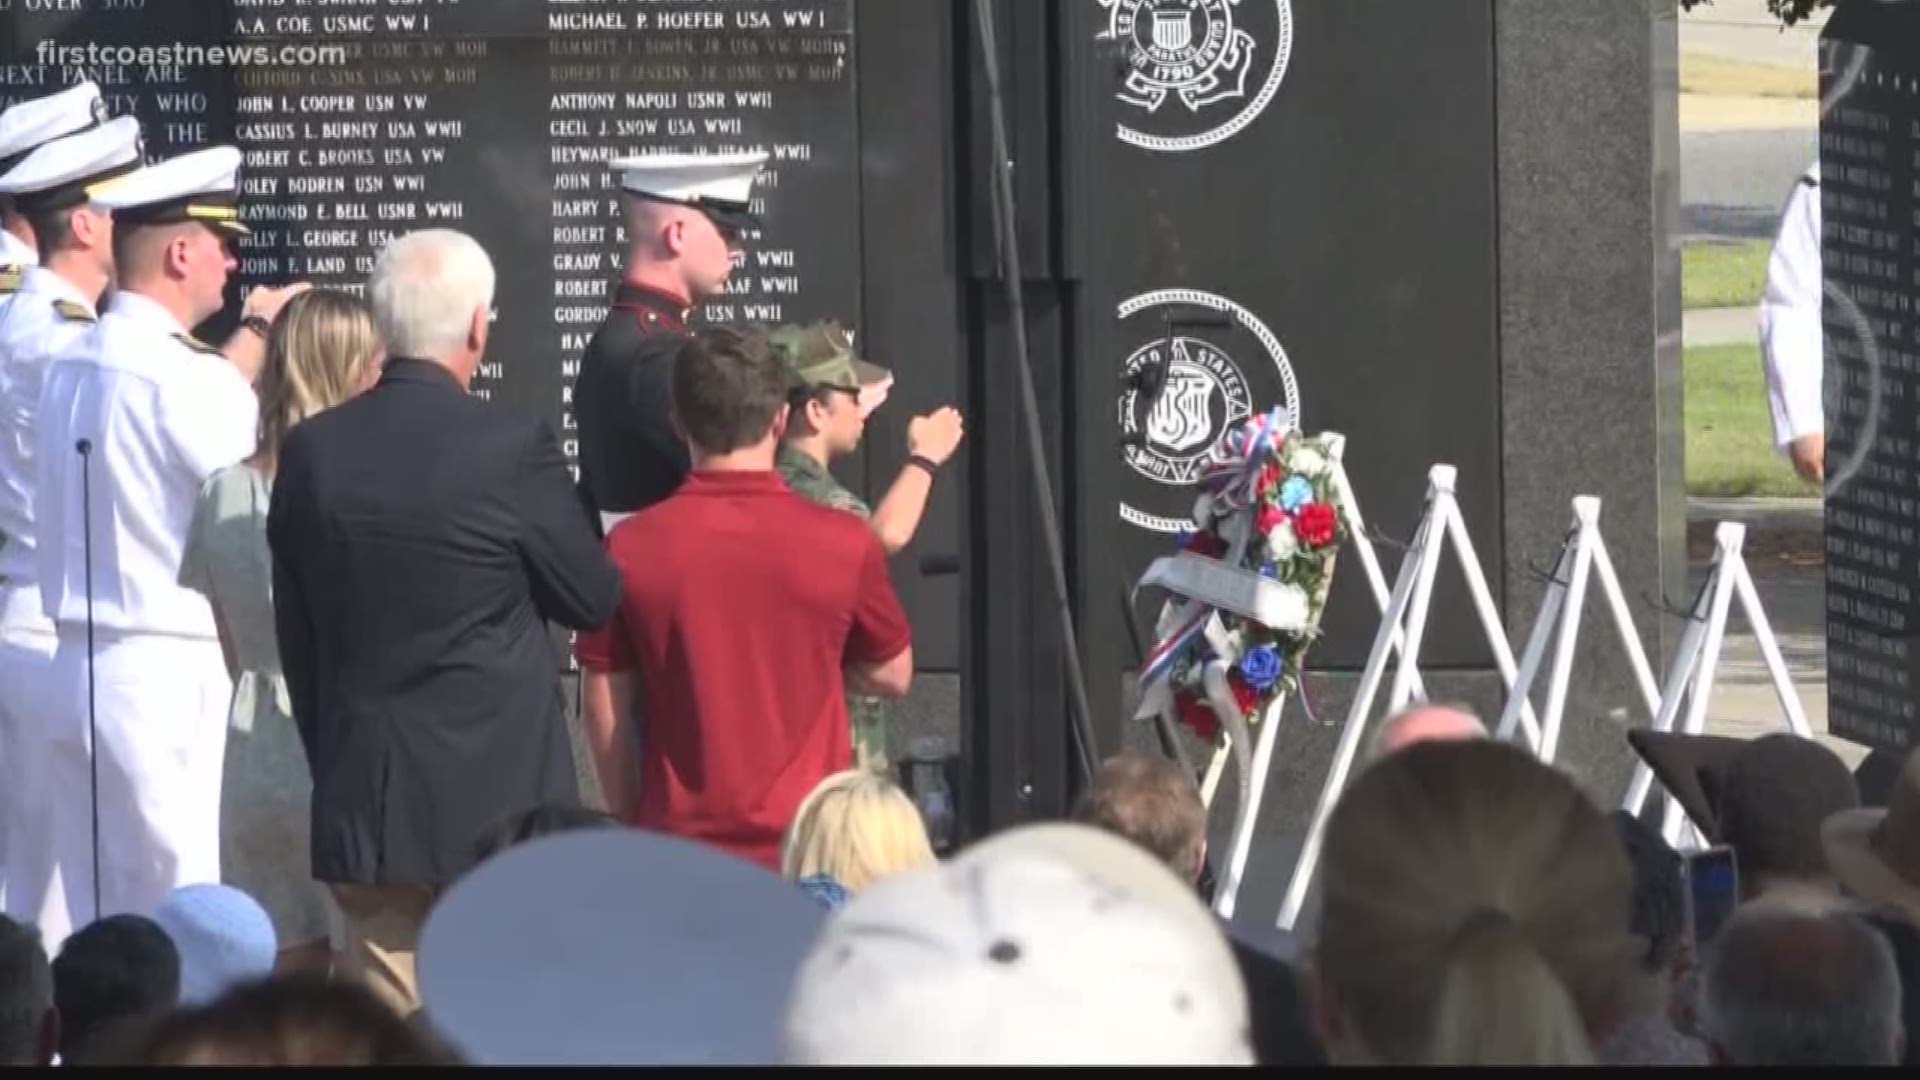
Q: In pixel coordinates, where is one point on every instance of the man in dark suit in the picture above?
(421, 539)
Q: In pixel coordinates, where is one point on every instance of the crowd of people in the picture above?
(285, 775)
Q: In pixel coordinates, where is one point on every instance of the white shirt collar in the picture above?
(44, 282)
(145, 310)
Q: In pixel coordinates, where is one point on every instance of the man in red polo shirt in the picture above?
(745, 614)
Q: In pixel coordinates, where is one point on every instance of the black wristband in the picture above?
(258, 324)
(924, 462)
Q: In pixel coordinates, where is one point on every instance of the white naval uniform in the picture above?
(44, 319)
(163, 412)
(1791, 341)
(16, 252)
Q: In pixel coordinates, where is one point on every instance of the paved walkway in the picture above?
(1720, 326)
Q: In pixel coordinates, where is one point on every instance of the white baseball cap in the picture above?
(614, 947)
(1017, 953)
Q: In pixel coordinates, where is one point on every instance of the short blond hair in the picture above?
(1476, 910)
(856, 827)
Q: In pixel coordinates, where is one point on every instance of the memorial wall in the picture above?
(1372, 212)
(1870, 252)
(362, 121)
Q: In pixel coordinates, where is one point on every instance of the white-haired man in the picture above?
(422, 539)
(130, 424)
(1426, 722)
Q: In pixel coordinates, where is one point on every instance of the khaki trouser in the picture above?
(383, 927)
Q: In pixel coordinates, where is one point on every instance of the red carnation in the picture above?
(1205, 543)
(1269, 478)
(1314, 524)
(1196, 715)
(1268, 518)
(1246, 697)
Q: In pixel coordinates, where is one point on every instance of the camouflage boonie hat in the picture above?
(819, 356)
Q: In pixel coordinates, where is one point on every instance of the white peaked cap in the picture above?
(31, 123)
(203, 186)
(719, 183)
(71, 170)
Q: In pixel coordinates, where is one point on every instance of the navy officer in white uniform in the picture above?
(161, 411)
(26, 127)
(1791, 340)
(53, 309)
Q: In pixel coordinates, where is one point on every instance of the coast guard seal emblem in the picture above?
(1189, 49)
(1206, 392)
(1203, 55)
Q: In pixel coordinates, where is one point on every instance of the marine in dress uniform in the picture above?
(630, 457)
(1791, 340)
(161, 411)
(25, 128)
(46, 317)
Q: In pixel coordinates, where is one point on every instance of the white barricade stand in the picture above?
(1401, 628)
(1558, 624)
(1690, 678)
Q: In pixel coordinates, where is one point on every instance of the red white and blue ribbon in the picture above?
(1231, 477)
(1234, 463)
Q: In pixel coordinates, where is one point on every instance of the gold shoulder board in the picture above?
(196, 344)
(10, 279)
(73, 312)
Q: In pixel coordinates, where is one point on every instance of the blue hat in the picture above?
(224, 938)
(614, 947)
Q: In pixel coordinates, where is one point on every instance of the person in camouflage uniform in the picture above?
(832, 392)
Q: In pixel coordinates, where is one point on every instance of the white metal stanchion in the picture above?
(1558, 624)
(1408, 604)
(1690, 679)
(1247, 817)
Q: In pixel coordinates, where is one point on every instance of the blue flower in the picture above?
(1295, 493)
(1268, 570)
(1260, 667)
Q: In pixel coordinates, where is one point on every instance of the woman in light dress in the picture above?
(323, 350)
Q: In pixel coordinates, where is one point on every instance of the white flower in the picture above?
(1281, 543)
(1307, 461)
(1169, 619)
(1203, 510)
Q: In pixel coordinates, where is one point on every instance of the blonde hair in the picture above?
(1475, 912)
(317, 356)
(858, 828)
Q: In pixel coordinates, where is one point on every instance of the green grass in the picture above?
(1723, 275)
(1729, 434)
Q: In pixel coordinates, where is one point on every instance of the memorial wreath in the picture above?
(1248, 584)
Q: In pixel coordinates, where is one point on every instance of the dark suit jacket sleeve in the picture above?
(574, 583)
(292, 617)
